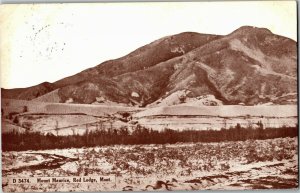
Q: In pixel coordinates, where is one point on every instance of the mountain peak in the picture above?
(247, 30)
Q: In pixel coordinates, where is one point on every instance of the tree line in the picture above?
(16, 141)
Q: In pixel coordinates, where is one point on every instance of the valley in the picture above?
(70, 119)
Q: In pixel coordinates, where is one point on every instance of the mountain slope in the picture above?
(250, 65)
(144, 57)
(27, 93)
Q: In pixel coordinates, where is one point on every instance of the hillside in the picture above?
(241, 67)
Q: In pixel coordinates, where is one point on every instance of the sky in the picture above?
(47, 42)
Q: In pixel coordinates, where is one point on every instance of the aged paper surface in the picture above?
(149, 96)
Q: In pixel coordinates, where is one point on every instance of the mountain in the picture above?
(27, 93)
(250, 65)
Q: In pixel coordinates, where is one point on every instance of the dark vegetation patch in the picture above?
(15, 141)
(198, 181)
(273, 182)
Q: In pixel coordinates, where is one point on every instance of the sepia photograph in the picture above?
(149, 96)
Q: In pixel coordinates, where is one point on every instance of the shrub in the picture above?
(25, 109)
(27, 125)
(16, 120)
(11, 115)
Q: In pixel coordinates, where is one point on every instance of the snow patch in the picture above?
(178, 50)
(135, 94)
(180, 97)
(71, 167)
(100, 99)
(173, 99)
(70, 100)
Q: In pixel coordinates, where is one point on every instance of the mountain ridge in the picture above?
(240, 67)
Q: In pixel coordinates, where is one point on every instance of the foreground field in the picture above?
(252, 164)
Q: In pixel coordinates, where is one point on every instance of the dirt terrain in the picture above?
(252, 164)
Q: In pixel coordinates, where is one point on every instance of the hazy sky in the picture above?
(49, 42)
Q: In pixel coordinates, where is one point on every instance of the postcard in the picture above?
(149, 96)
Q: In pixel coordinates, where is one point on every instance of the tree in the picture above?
(25, 109)
(56, 127)
(260, 125)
